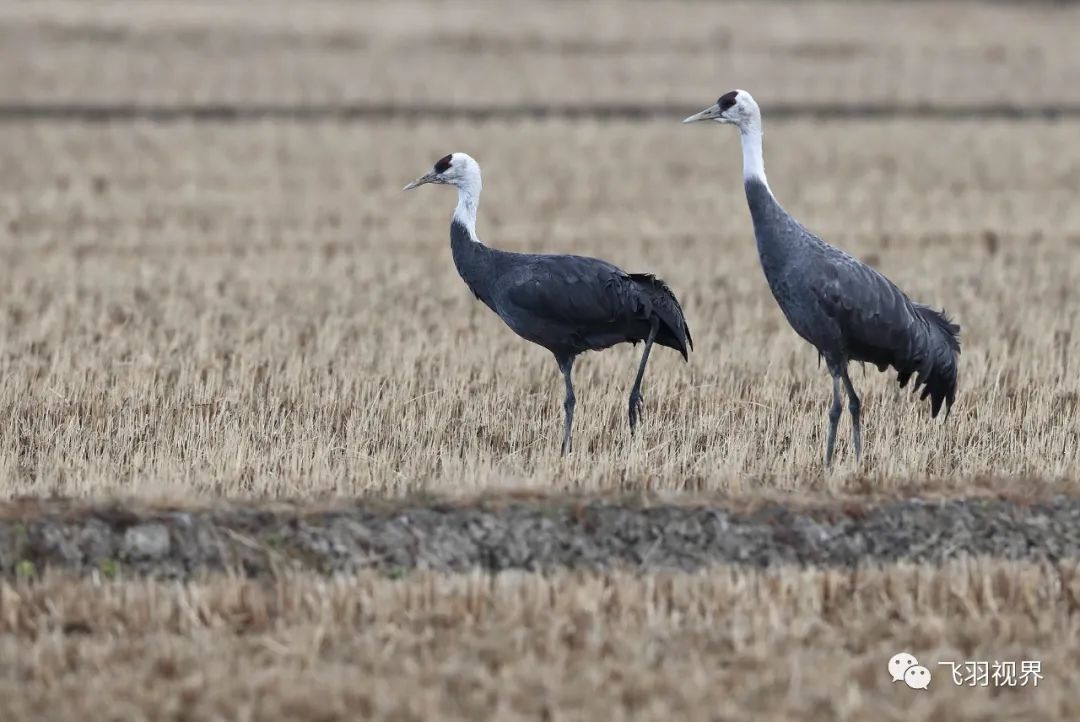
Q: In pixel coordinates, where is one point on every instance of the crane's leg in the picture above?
(854, 406)
(834, 419)
(635, 393)
(566, 365)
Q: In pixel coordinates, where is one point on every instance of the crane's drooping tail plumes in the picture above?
(674, 331)
(934, 364)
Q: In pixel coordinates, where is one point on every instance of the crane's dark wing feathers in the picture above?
(576, 303)
(879, 324)
(674, 331)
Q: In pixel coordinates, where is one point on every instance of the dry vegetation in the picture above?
(259, 309)
(198, 310)
(730, 645)
(615, 51)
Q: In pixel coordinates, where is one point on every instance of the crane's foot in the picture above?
(636, 403)
(830, 449)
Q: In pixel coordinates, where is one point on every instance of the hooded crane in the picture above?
(846, 309)
(567, 304)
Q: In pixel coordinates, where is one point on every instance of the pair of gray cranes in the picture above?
(572, 304)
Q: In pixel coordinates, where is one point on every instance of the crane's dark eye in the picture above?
(727, 100)
(443, 165)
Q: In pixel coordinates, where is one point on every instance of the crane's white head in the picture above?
(456, 169)
(736, 107)
(461, 171)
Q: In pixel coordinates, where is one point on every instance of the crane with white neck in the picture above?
(567, 304)
(847, 310)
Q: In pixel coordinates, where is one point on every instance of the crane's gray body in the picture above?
(846, 309)
(569, 304)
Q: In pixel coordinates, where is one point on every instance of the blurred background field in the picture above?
(333, 51)
(736, 644)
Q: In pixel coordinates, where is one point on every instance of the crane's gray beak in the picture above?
(710, 113)
(426, 178)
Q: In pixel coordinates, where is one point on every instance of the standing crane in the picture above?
(567, 304)
(846, 309)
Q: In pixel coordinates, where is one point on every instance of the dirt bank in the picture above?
(531, 534)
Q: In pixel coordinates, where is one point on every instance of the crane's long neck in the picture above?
(471, 257)
(465, 212)
(778, 241)
(753, 158)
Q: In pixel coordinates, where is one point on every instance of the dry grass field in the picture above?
(733, 644)
(192, 310)
(258, 309)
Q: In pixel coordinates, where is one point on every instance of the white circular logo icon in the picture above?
(899, 664)
(917, 677)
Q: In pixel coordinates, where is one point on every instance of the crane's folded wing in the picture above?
(592, 304)
(571, 289)
(876, 319)
(880, 324)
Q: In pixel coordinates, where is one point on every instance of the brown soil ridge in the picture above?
(533, 534)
